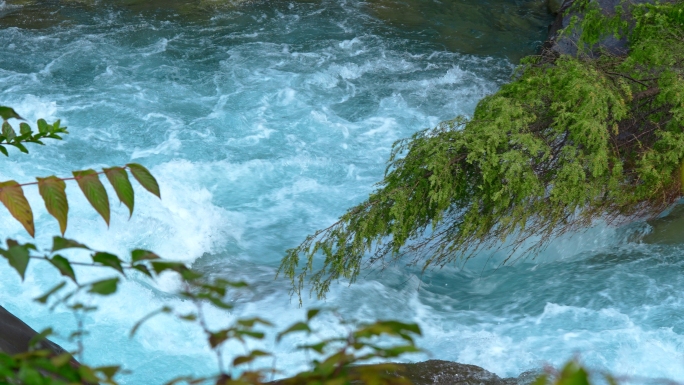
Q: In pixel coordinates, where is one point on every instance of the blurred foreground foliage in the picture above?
(571, 140)
(335, 360)
(335, 357)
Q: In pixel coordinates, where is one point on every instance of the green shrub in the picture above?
(569, 141)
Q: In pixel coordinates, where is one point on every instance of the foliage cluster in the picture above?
(570, 140)
(336, 356)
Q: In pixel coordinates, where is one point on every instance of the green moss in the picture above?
(570, 140)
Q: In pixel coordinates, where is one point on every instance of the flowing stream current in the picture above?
(263, 122)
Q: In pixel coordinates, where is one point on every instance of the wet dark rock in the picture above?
(15, 335)
(439, 372)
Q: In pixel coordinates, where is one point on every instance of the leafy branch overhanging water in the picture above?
(570, 140)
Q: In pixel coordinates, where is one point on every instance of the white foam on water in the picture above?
(261, 132)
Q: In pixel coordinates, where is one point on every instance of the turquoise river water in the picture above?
(263, 122)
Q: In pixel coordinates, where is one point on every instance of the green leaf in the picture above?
(62, 360)
(56, 126)
(52, 189)
(190, 275)
(87, 374)
(40, 337)
(104, 287)
(611, 380)
(29, 376)
(251, 333)
(160, 266)
(312, 313)
(64, 266)
(239, 360)
(393, 328)
(143, 255)
(189, 317)
(8, 131)
(81, 307)
(25, 129)
(18, 256)
(318, 347)
(118, 177)
(297, 327)
(219, 337)
(250, 322)
(94, 191)
(143, 269)
(21, 147)
(396, 351)
(43, 127)
(9, 113)
(219, 303)
(108, 371)
(4, 150)
(110, 260)
(237, 284)
(145, 178)
(59, 243)
(43, 298)
(573, 374)
(12, 196)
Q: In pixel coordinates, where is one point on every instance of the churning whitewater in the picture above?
(263, 123)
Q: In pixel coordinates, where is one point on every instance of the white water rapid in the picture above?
(265, 122)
